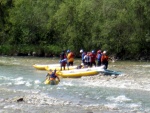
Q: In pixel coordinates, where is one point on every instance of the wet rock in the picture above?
(20, 100)
(114, 77)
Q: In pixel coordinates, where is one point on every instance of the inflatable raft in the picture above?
(47, 81)
(43, 66)
(77, 73)
(58, 68)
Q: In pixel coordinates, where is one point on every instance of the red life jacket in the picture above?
(93, 57)
(71, 54)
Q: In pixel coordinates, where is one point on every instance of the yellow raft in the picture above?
(47, 81)
(58, 68)
(39, 67)
(77, 73)
(43, 66)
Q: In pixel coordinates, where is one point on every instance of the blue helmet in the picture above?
(68, 51)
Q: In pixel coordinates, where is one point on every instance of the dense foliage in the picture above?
(121, 27)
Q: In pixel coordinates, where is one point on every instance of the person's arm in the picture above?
(58, 78)
(55, 71)
(47, 75)
(56, 75)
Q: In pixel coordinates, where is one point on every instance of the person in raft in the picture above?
(63, 60)
(82, 66)
(52, 77)
(104, 59)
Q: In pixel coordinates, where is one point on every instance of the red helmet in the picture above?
(99, 51)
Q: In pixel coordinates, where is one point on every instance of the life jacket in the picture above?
(53, 76)
(71, 54)
(70, 57)
(104, 58)
(93, 57)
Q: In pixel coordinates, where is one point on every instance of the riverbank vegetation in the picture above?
(47, 27)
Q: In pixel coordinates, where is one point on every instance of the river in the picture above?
(128, 92)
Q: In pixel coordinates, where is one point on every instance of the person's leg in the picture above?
(68, 64)
(95, 64)
(89, 64)
(106, 64)
(64, 65)
(98, 63)
(61, 67)
(71, 63)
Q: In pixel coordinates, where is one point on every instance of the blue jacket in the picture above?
(99, 57)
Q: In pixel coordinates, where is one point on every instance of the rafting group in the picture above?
(88, 66)
(88, 59)
(92, 63)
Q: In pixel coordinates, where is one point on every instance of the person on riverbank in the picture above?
(52, 77)
(63, 60)
(82, 56)
(104, 59)
(70, 58)
(92, 58)
(87, 59)
(98, 56)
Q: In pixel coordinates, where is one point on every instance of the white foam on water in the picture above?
(147, 110)
(20, 82)
(6, 84)
(28, 84)
(68, 83)
(104, 81)
(135, 105)
(111, 106)
(12, 81)
(91, 105)
(5, 78)
(19, 78)
(121, 98)
(43, 99)
(2, 111)
(9, 106)
(37, 82)
(64, 88)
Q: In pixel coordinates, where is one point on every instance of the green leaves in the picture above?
(118, 26)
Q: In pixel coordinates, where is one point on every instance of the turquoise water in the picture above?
(129, 92)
